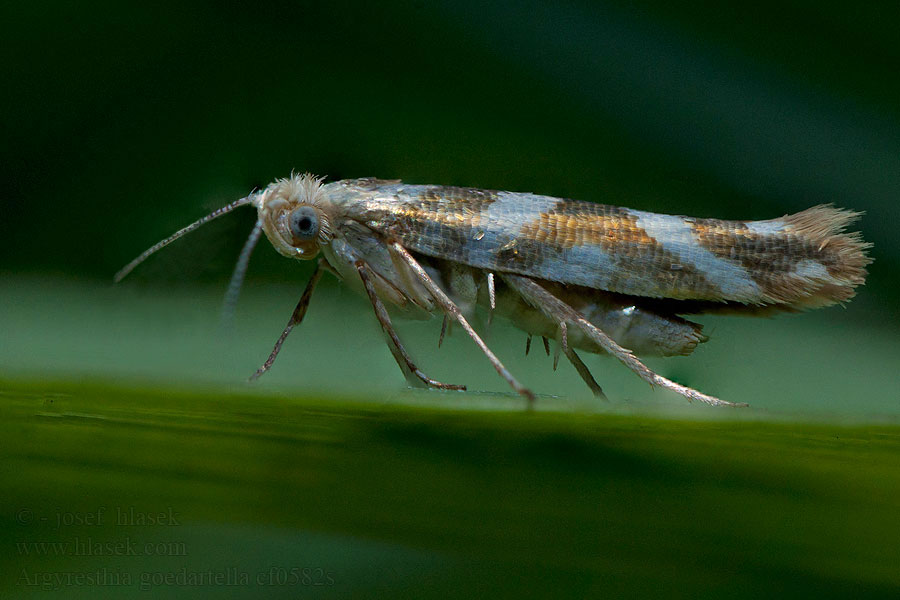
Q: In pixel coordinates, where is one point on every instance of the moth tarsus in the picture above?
(413, 374)
(444, 324)
(452, 310)
(556, 309)
(599, 278)
(579, 365)
(557, 349)
(296, 318)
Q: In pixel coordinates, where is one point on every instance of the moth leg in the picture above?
(559, 343)
(396, 346)
(296, 317)
(561, 312)
(451, 309)
(492, 296)
(492, 291)
(579, 365)
(443, 330)
(327, 267)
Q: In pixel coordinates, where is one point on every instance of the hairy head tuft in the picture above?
(303, 189)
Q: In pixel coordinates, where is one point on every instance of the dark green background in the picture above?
(121, 122)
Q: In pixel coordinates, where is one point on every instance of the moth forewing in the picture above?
(601, 278)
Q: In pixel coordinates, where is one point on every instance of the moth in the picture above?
(594, 277)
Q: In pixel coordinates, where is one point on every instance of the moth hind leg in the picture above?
(413, 374)
(560, 312)
(579, 365)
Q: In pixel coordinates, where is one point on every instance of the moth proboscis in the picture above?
(594, 277)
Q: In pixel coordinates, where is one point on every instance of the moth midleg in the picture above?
(559, 311)
(451, 309)
(296, 317)
(579, 365)
(413, 374)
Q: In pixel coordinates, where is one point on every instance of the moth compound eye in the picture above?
(304, 223)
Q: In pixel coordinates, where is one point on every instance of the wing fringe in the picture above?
(842, 264)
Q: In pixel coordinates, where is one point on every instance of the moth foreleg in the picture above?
(296, 317)
(413, 374)
(559, 311)
(579, 365)
(451, 309)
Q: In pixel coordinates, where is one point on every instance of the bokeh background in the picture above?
(122, 122)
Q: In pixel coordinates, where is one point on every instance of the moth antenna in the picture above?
(240, 270)
(181, 232)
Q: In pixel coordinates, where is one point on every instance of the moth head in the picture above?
(293, 216)
(291, 213)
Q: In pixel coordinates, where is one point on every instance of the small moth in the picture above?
(597, 278)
